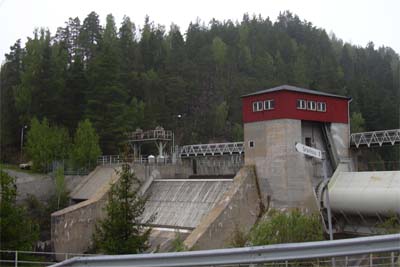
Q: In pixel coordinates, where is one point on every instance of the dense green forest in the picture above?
(122, 78)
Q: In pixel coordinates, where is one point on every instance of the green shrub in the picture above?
(85, 149)
(287, 227)
(177, 243)
(17, 231)
(390, 226)
(46, 144)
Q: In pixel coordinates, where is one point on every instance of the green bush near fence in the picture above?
(286, 227)
(17, 231)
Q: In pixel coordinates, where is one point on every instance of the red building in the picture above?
(290, 102)
(274, 120)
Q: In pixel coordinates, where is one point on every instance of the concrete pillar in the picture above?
(280, 169)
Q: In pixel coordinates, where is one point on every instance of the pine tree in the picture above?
(128, 52)
(90, 36)
(176, 52)
(74, 96)
(10, 77)
(107, 99)
(152, 46)
(122, 231)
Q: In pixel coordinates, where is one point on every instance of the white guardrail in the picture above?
(324, 250)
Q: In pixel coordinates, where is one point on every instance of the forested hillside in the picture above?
(190, 81)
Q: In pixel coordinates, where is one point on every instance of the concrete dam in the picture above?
(200, 209)
(206, 192)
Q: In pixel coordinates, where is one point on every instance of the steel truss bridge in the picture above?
(357, 140)
(211, 149)
(375, 138)
(368, 139)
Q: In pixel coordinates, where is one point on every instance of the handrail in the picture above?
(248, 255)
(117, 159)
(110, 159)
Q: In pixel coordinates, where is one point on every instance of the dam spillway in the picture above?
(182, 203)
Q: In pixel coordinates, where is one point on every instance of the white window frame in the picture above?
(321, 106)
(255, 106)
(258, 106)
(311, 105)
(269, 104)
(302, 102)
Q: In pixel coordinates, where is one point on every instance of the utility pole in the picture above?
(327, 198)
(316, 153)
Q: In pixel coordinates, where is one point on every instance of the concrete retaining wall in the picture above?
(41, 186)
(72, 228)
(239, 208)
(166, 171)
(224, 165)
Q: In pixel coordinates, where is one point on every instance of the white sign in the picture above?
(310, 151)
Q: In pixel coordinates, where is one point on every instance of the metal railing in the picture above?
(158, 134)
(117, 159)
(375, 138)
(34, 258)
(69, 168)
(211, 149)
(383, 249)
(110, 159)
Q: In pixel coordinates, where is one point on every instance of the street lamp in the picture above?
(178, 117)
(22, 139)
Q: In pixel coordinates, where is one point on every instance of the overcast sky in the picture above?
(355, 21)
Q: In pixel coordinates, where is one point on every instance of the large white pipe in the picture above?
(365, 193)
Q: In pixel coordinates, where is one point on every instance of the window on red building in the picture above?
(311, 105)
(258, 106)
(301, 104)
(254, 106)
(321, 106)
(269, 104)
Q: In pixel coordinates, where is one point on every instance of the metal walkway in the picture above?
(375, 138)
(211, 149)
